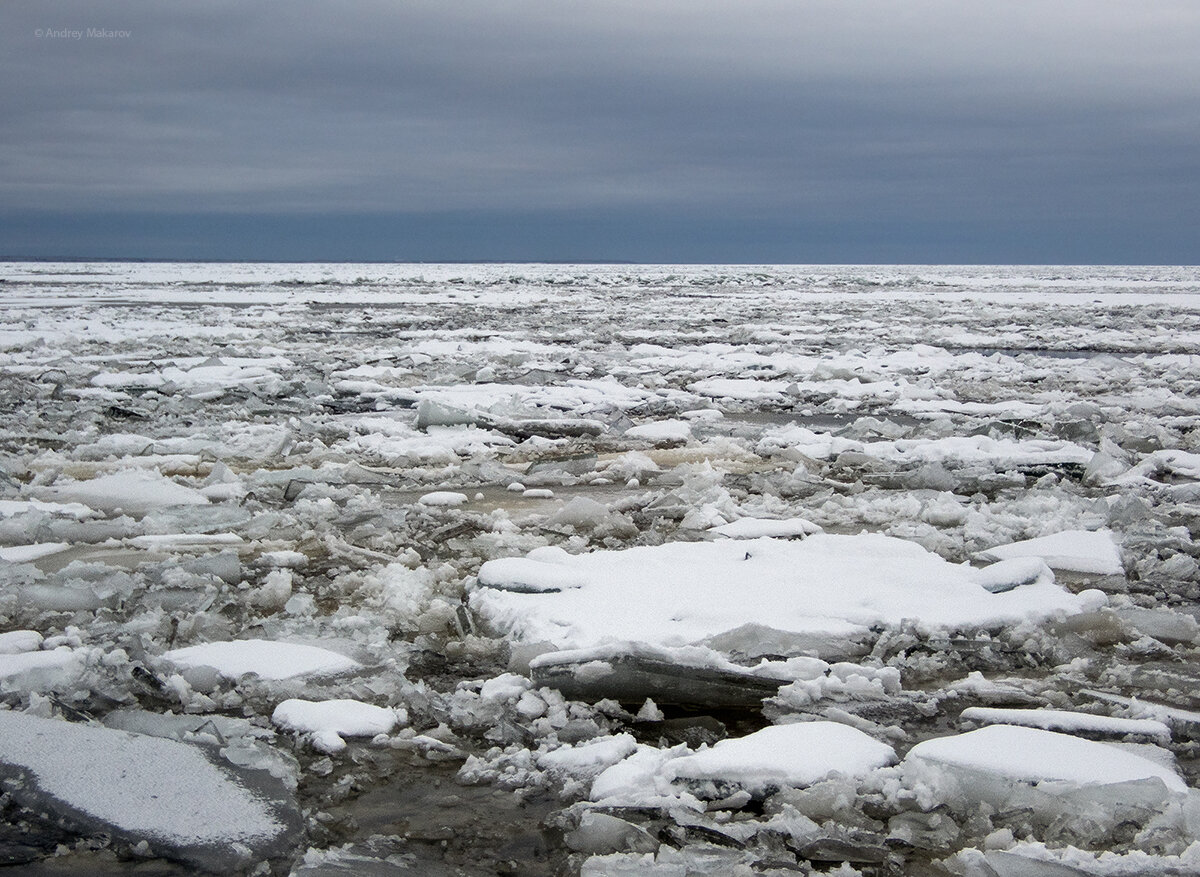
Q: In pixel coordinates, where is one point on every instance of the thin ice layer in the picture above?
(681, 593)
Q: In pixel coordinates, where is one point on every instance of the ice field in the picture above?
(601, 570)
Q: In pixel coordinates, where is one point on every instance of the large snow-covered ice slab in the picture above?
(139, 788)
(1033, 755)
(681, 593)
(270, 660)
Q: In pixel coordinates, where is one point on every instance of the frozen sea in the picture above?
(324, 569)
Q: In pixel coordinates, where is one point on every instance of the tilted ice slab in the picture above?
(270, 660)
(1072, 550)
(1068, 721)
(682, 593)
(137, 788)
(1033, 755)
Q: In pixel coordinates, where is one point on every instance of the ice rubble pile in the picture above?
(705, 595)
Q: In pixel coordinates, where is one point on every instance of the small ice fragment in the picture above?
(650, 712)
(443, 498)
(515, 487)
(538, 493)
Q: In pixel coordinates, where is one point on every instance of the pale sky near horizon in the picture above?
(822, 131)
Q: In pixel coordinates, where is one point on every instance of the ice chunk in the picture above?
(784, 755)
(1083, 551)
(590, 757)
(270, 660)
(30, 553)
(1164, 624)
(78, 511)
(14, 642)
(41, 669)
(169, 794)
(133, 491)
(754, 528)
(601, 833)
(580, 512)
(443, 498)
(661, 431)
(1033, 755)
(682, 593)
(331, 720)
(433, 413)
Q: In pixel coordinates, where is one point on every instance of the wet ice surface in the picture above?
(507, 569)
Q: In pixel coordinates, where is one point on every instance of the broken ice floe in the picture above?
(169, 795)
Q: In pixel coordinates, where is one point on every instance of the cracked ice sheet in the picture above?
(682, 593)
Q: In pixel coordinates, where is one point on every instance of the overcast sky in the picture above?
(743, 131)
